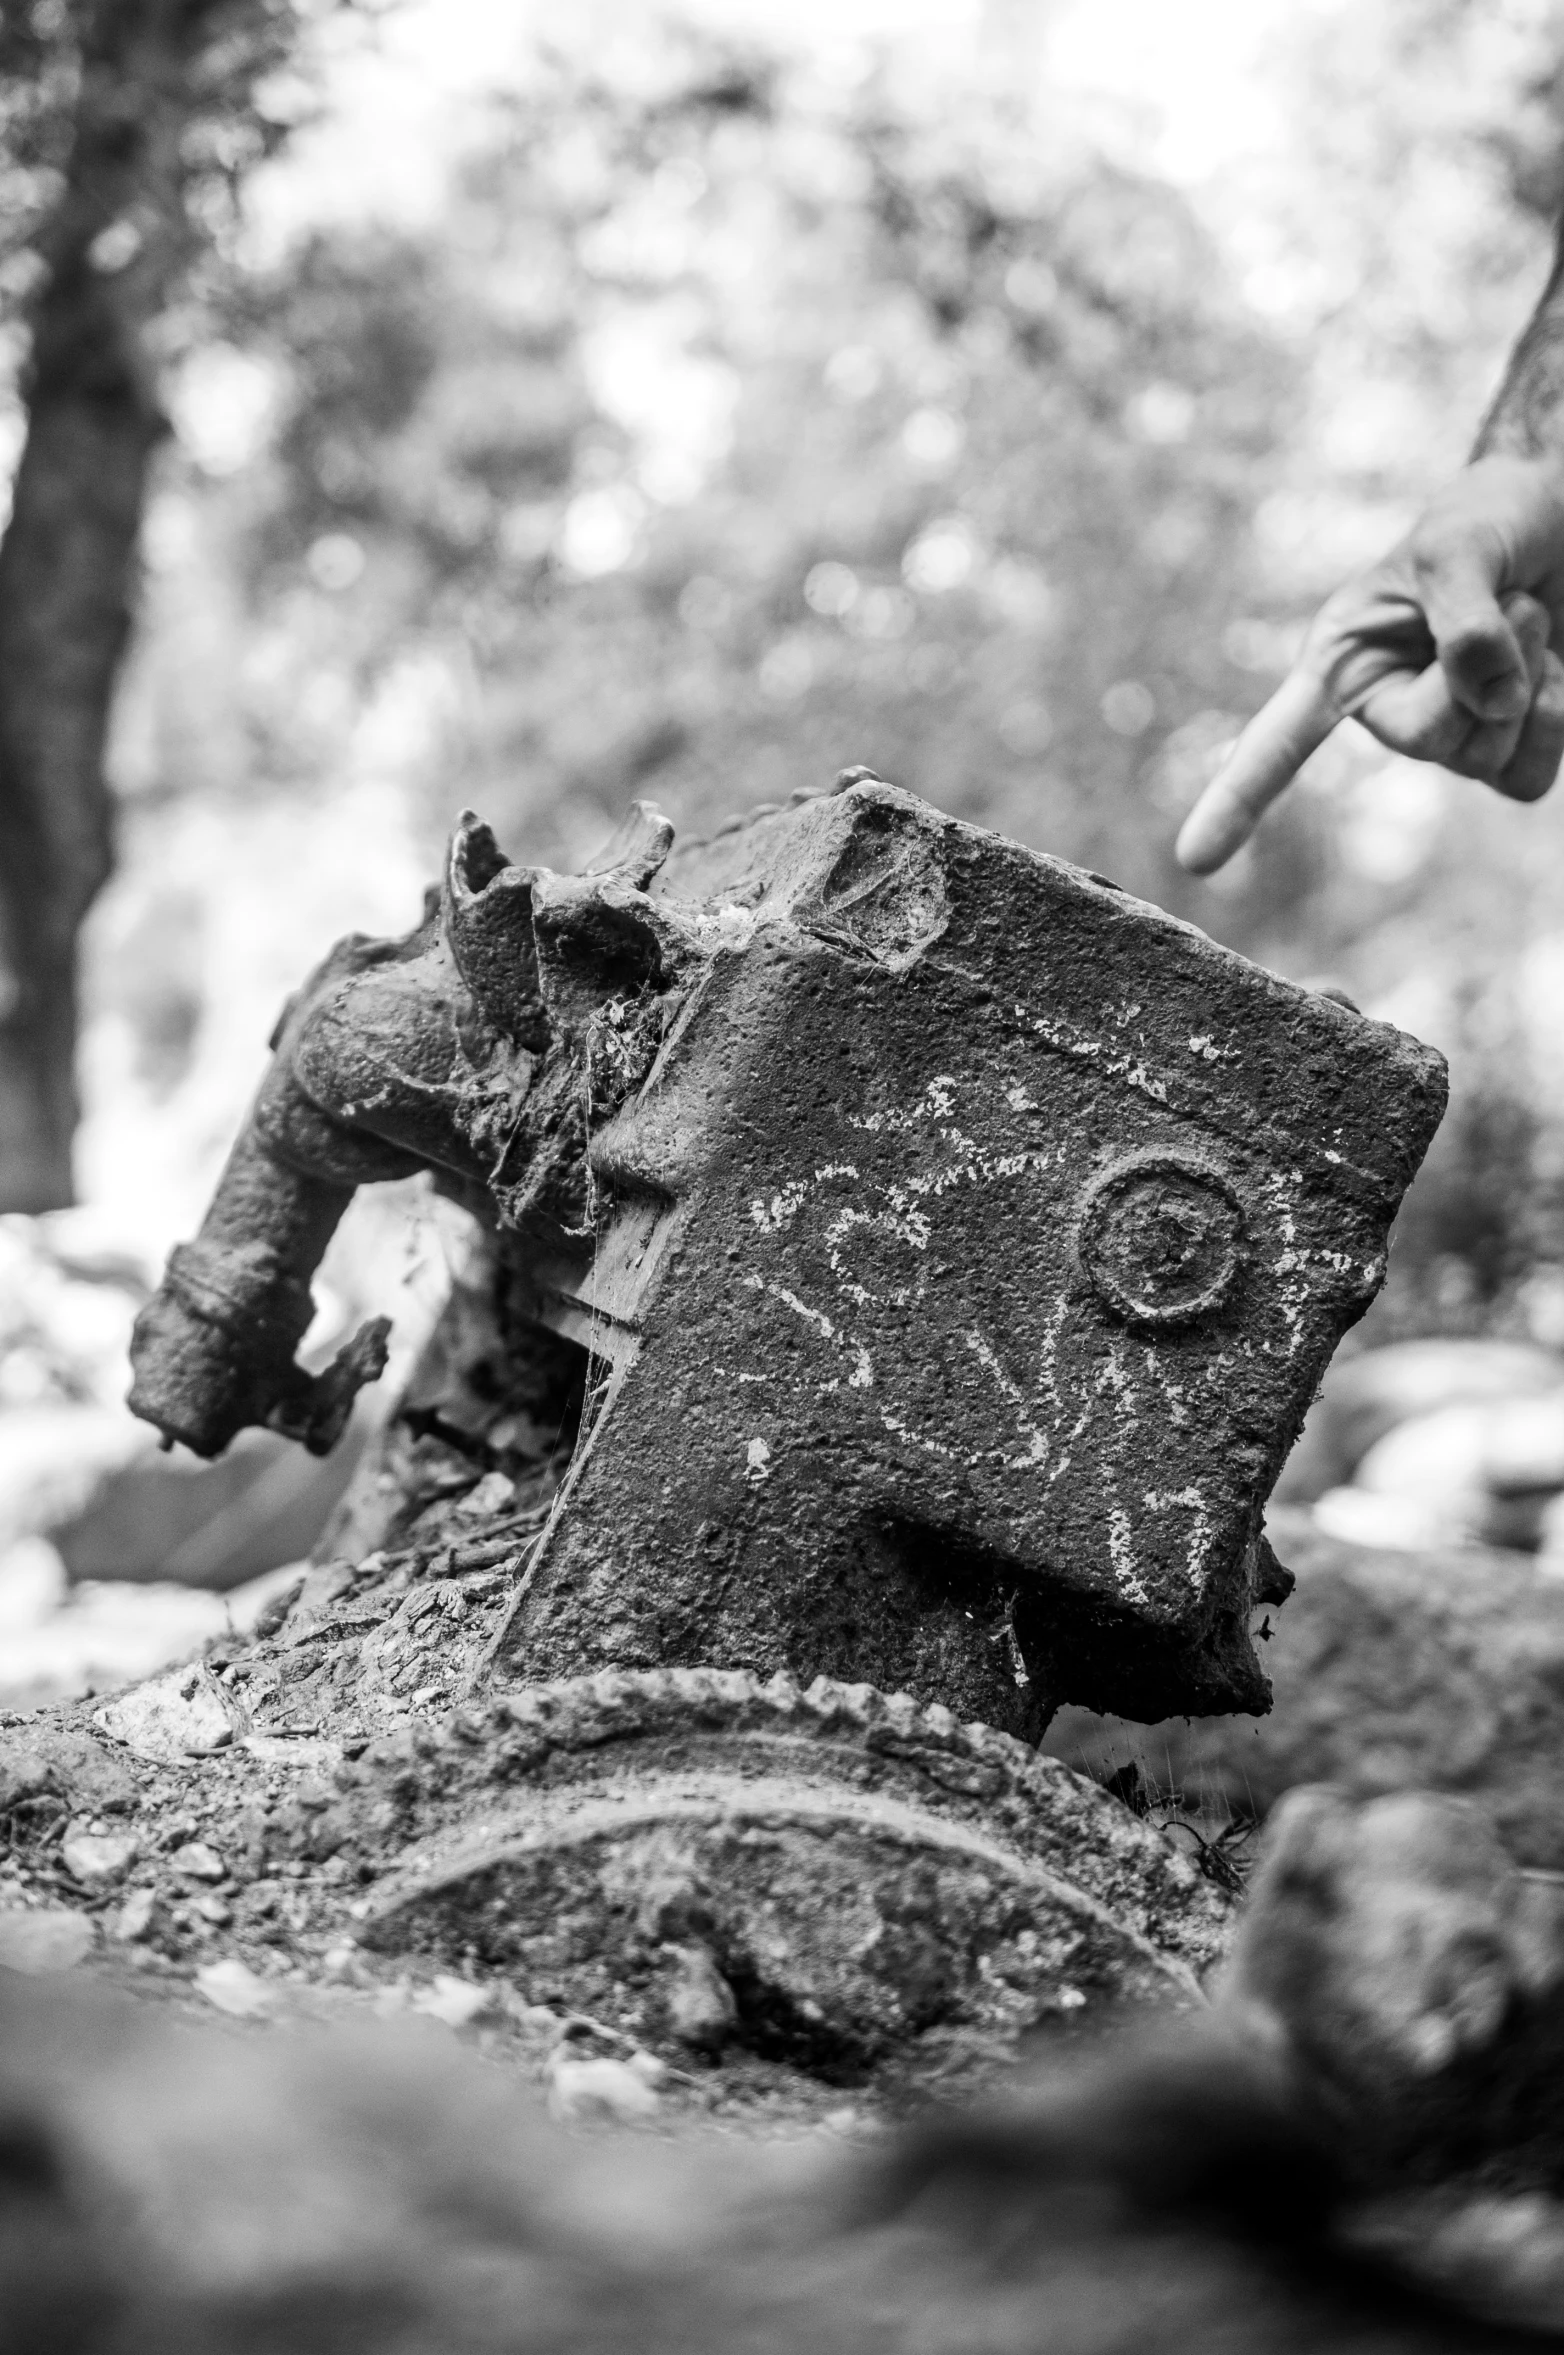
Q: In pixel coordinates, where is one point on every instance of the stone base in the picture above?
(830, 1877)
(772, 1890)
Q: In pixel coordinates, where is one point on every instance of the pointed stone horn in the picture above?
(637, 848)
(487, 907)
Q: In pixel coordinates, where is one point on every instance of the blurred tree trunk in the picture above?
(66, 569)
(148, 111)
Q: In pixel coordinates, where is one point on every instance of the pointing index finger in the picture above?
(1262, 764)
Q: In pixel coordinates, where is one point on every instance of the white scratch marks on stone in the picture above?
(1037, 1441)
(1065, 1039)
(1121, 1546)
(801, 1308)
(783, 1207)
(1189, 1500)
(899, 1430)
(935, 1103)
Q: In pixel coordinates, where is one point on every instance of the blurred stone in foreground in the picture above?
(1390, 1670)
(372, 2187)
(1412, 1981)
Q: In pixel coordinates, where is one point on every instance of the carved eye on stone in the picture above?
(1161, 1239)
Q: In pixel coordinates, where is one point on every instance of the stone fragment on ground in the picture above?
(458, 2003)
(43, 1761)
(231, 1986)
(1441, 1671)
(43, 1938)
(181, 1715)
(602, 2089)
(91, 1857)
(1410, 1979)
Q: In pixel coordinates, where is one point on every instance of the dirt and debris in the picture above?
(279, 1873)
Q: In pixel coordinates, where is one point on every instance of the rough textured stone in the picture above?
(97, 1857)
(959, 1242)
(170, 1718)
(56, 1764)
(1440, 1671)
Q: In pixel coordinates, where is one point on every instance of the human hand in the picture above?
(1441, 650)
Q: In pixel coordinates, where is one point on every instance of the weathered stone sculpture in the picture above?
(934, 1252)
(959, 1242)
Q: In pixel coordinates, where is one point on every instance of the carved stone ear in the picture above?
(487, 908)
(594, 941)
(597, 938)
(597, 934)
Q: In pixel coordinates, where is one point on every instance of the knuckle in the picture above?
(1528, 779)
(1524, 612)
(1475, 640)
(1427, 544)
(1432, 742)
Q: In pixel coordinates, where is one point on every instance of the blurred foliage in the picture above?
(727, 432)
(227, 72)
(732, 423)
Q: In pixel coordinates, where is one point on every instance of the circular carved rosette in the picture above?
(1162, 1239)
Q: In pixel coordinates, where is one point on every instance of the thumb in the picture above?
(1479, 652)
(1264, 761)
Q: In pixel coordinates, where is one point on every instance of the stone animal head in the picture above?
(951, 1227)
